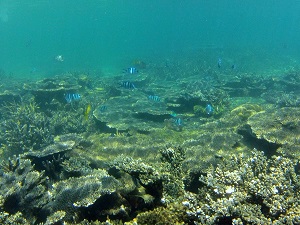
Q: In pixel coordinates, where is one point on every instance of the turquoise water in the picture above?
(101, 36)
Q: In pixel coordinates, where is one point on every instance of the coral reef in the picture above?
(246, 85)
(17, 219)
(51, 158)
(146, 174)
(116, 155)
(282, 98)
(172, 173)
(33, 197)
(132, 112)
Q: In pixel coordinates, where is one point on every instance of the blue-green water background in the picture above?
(105, 36)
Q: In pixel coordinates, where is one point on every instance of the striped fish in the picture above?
(131, 70)
(128, 85)
(72, 97)
(154, 98)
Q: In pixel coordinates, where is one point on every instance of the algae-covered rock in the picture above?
(244, 111)
(132, 112)
(279, 126)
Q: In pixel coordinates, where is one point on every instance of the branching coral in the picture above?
(166, 180)
(24, 128)
(68, 122)
(252, 190)
(23, 189)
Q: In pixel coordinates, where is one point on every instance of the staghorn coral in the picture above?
(28, 195)
(55, 218)
(253, 190)
(75, 167)
(23, 190)
(68, 121)
(24, 128)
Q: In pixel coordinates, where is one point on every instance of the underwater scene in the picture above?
(149, 112)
